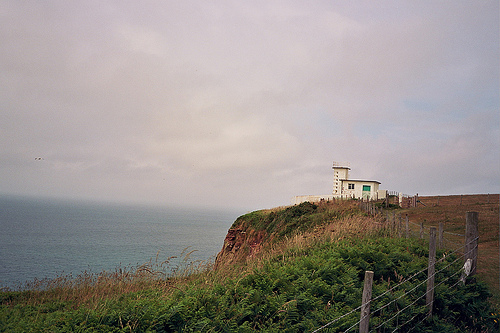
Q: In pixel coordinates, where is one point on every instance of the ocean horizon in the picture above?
(47, 238)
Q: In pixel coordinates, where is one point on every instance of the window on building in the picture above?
(366, 188)
(350, 186)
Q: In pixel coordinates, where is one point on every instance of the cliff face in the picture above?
(252, 232)
(240, 243)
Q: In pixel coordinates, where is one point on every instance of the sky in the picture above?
(245, 104)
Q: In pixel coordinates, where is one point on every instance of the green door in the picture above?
(366, 191)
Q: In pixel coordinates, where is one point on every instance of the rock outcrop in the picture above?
(240, 244)
(252, 232)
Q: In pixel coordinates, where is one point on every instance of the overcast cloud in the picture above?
(247, 103)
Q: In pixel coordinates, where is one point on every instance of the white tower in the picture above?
(340, 172)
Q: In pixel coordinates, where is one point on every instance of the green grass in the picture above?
(290, 221)
(298, 285)
(298, 290)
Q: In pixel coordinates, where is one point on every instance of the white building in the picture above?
(345, 188)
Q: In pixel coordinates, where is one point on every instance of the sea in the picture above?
(48, 238)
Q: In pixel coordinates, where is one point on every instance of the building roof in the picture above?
(341, 165)
(360, 181)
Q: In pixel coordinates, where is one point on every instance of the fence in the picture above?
(400, 199)
(436, 240)
(409, 201)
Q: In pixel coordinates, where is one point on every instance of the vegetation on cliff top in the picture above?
(303, 281)
(289, 221)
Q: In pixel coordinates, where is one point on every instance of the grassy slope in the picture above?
(299, 283)
(451, 211)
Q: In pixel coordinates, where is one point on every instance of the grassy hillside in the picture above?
(451, 211)
(307, 272)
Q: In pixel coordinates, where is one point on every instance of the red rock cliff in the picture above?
(240, 243)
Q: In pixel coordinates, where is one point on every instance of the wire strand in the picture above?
(411, 290)
(431, 303)
(337, 319)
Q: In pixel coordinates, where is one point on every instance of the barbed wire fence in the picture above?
(420, 310)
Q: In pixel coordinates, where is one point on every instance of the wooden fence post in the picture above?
(407, 226)
(400, 225)
(429, 297)
(440, 235)
(364, 323)
(471, 239)
(421, 230)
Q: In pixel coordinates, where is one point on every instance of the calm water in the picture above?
(41, 238)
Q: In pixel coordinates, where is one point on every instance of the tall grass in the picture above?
(334, 222)
(89, 288)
